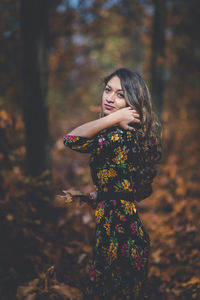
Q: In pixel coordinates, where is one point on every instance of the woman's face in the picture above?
(113, 96)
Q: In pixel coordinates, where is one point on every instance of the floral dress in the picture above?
(119, 265)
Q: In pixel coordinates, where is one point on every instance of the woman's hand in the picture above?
(127, 115)
(93, 195)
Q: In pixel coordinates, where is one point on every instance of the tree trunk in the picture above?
(34, 27)
(34, 33)
(158, 55)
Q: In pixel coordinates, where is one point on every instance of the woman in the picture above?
(125, 147)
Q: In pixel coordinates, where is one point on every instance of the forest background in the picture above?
(53, 57)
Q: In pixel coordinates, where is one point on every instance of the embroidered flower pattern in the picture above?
(128, 206)
(104, 175)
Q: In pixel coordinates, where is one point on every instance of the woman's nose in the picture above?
(110, 97)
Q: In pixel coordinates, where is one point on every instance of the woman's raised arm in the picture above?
(121, 117)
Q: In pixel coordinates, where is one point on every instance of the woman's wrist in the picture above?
(111, 120)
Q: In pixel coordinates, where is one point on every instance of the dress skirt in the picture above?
(119, 265)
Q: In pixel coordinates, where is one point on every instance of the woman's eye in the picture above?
(107, 89)
(121, 95)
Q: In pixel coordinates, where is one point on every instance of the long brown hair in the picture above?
(148, 132)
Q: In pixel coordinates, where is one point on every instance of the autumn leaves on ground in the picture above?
(47, 247)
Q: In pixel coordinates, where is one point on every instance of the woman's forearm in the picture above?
(91, 128)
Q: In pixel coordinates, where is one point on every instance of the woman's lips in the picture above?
(109, 107)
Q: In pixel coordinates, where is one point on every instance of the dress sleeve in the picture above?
(79, 143)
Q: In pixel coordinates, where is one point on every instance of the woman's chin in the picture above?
(107, 112)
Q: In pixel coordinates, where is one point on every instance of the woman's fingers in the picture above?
(126, 126)
(129, 115)
(130, 128)
(134, 112)
(93, 195)
(136, 120)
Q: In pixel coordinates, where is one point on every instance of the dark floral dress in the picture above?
(122, 244)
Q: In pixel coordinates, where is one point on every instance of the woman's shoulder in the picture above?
(115, 128)
(110, 130)
(116, 133)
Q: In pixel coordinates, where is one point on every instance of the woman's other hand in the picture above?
(127, 115)
(93, 195)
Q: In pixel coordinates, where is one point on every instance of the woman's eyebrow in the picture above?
(111, 87)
